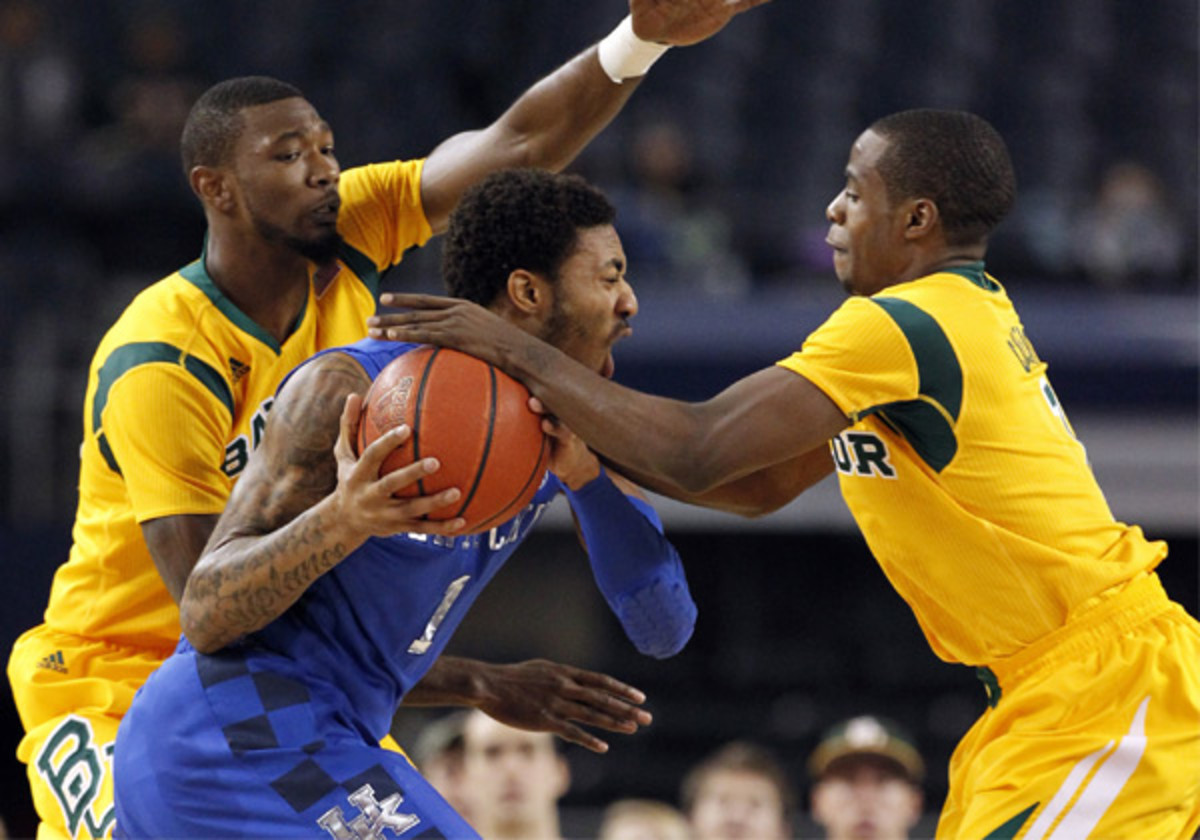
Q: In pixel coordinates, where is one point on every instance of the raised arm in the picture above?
(552, 122)
(760, 421)
(302, 505)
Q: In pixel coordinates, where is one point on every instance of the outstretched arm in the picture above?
(302, 505)
(552, 122)
(757, 494)
(768, 417)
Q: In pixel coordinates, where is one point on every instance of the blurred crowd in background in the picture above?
(722, 165)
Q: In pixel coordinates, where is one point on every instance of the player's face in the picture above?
(738, 805)
(512, 778)
(866, 802)
(288, 177)
(866, 232)
(593, 301)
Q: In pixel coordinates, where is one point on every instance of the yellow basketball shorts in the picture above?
(71, 694)
(1095, 731)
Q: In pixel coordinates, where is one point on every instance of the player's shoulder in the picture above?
(163, 311)
(373, 180)
(165, 323)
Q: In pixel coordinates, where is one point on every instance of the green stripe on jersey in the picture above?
(1011, 827)
(196, 274)
(927, 423)
(974, 272)
(362, 266)
(128, 356)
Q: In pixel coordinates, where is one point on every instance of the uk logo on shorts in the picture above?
(374, 817)
(73, 766)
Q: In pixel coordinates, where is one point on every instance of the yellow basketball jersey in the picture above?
(177, 398)
(961, 468)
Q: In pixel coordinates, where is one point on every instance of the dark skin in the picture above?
(765, 436)
(280, 187)
(305, 502)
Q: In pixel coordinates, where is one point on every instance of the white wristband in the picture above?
(624, 55)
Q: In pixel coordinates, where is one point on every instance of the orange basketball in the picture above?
(473, 418)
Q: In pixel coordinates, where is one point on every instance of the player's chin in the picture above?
(608, 366)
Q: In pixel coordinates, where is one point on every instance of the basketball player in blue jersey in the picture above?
(277, 733)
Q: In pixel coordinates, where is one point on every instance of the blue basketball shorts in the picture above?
(237, 745)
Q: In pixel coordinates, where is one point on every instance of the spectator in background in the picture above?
(512, 780)
(1130, 236)
(866, 781)
(128, 166)
(740, 792)
(40, 97)
(438, 754)
(643, 819)
(671, 230)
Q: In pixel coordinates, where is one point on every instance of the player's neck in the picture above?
(268, 283)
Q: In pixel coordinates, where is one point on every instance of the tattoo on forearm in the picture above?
(240, 597)
(274, 542)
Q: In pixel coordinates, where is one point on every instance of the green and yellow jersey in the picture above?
(177, 398)
(960, 466)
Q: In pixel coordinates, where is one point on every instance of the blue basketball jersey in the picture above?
(278, 734)
(376, 621)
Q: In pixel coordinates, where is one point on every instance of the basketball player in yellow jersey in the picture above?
(960, 467)
(180, 386)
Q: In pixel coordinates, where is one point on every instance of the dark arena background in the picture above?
(721, 168)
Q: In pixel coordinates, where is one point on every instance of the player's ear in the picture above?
(213, 187)
(922, 216)
(528, 292)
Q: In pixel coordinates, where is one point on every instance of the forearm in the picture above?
(245, 582)
(635, 566)
(551, 123)
(645, 435)
(757, 494)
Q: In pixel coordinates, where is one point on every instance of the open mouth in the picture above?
(327, 212)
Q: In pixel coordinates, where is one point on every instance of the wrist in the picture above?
(581, 478)
(585, 484)
(623, 55)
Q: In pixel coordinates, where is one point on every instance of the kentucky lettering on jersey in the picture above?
(961, 467)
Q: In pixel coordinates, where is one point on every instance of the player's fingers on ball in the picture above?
(417, 506)
(373, 456)
(347, 424)
(407, 475)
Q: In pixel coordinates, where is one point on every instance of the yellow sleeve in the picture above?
(381, 214)
(167, 432)
(859, 358)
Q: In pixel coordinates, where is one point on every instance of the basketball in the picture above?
(472, 417)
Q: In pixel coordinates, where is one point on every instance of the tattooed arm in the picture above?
(302, 505)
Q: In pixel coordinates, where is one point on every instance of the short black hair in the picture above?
(517, 219)
(954, 158)
(214, 122)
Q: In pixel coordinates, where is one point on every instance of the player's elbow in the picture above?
(659, 619)
(198, 630)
